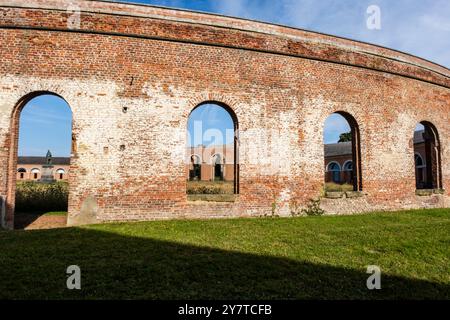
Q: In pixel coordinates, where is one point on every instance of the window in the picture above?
(218, 167)
(21, 172)
(35, 173)
(43, 122)
(195, 168)
(60, 173)
(212, 153)
(342, 145)
(427, 156)
(335, 171)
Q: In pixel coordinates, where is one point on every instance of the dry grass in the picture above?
(334, 187)
(212, 191)
(210, 187)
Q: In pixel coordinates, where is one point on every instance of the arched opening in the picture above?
(195, 173)
(60, 174)
(212, 133)
(427, 156)
(35, 172)
(21, 173)
(41, 140)
(218, 166)
(347, 172)
(342, 153)
(335, 170)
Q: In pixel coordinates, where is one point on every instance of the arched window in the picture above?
(348, 166)
(342, 144)
(60, 172)
(418, 160)
(335, 170)
(218, 167)
(347, 172)
(21, 172)
(35, 172)
(427, 156)
(195, 168)
(42, 121)
(213, 133)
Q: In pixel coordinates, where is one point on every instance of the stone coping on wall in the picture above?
(125, 19)
(429, 192)
(344, 194)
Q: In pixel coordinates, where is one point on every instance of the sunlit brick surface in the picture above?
(281, 83)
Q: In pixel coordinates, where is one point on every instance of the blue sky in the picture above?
(210, 124)
(418, 27)
(45, 124)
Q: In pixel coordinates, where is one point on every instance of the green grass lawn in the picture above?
(270, 258)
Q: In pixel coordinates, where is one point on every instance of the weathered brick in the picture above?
(282, 84)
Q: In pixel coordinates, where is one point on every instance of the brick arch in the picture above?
(433, 156)
(271, 78)
(14, 144)
(351, 113)
(232, 112)
(356, 145)
(213, 98)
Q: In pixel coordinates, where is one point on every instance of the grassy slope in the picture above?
(313, 257)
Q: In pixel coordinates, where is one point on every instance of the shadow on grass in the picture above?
(33, 266)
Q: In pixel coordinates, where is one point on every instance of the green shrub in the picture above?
(35, 196)
(313, 208)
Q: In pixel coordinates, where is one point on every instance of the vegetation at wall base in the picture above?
(264, 258)
(34, 196)
(209, 187)
(334, 187)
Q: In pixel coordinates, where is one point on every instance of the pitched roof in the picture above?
(418, 136)
(338, 149)
(43, 160)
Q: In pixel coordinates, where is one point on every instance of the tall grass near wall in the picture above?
(34, 196)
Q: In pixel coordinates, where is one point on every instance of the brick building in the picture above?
(204, 163)
(210, 163)
(132, 74)
(32, 168)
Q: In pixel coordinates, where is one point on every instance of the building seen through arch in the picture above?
(427, 157)
(29, 168)
(209, 163)
(211, 154)
(343, 158)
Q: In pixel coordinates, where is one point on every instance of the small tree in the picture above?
(345, 137)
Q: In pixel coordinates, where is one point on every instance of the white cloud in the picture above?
(421, 28)
(436, 22)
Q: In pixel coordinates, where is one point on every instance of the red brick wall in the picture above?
(280, 82)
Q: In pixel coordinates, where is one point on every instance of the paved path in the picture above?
(34, 222)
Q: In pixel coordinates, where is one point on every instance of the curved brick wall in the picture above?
(282, 83)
